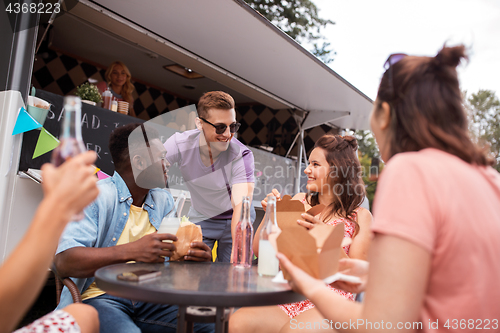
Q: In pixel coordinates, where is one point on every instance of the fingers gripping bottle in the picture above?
(243, 237)
(268, 263)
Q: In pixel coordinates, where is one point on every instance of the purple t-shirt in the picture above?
(210, 186)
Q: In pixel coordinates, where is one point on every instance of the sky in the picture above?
(367, 31)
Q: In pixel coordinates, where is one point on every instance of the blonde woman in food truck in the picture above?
(118, 82)
(334, 180)
(434, 257)
(67, 189)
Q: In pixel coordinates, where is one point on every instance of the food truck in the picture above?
(176, 50)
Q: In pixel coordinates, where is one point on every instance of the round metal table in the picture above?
(220, 285)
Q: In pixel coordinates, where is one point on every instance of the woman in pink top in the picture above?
(333, 179)
(434, 258)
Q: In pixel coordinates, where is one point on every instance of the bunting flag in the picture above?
(101, 175)
(25, 122)
(46, 142)
(96, 169)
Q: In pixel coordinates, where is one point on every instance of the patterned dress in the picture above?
(58, 321)
(294, 309)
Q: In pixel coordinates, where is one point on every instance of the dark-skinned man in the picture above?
(120, 226)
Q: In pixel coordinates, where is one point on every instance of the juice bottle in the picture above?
(268, 263)
(242, 246)
(71, 142)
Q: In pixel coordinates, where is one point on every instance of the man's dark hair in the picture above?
(119, 146)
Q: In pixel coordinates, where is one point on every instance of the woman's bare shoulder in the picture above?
(364, 216)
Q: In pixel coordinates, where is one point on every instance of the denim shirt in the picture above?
(105, 219)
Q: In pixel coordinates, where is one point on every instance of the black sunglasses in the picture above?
(221, 128)
(391, 61)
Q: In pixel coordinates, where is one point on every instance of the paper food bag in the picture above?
(186, 234)
(288, 211)
(317, 251)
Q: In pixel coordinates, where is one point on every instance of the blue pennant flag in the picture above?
(25, 122)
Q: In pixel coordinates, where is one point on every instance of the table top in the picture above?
(201, 284)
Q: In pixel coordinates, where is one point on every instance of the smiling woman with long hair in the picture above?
(333, 180)
(118, 80)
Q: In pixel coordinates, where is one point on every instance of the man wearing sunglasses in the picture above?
(217, 168)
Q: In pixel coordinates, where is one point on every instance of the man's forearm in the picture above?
(82, 262)
(234, 220)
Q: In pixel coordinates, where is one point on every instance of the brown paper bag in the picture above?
(317, 251)
(186, 234)
(288, 211)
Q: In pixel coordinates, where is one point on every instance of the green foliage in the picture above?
(366, 143)
(370, 175)
(299, 19)
(323, 53)
(89, 92)
(368, 151)
(484, 120)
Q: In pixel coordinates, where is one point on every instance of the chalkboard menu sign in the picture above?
(97, 125)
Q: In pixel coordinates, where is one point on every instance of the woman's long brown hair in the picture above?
(426, 106)
(344, 178)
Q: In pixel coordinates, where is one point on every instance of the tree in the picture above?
(299, 19)
(370, 175)
(369, 157)
(484, 120)
(366, 143)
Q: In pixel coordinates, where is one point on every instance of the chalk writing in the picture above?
(96, 148)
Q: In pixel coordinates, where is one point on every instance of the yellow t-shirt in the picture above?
(137, 226)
